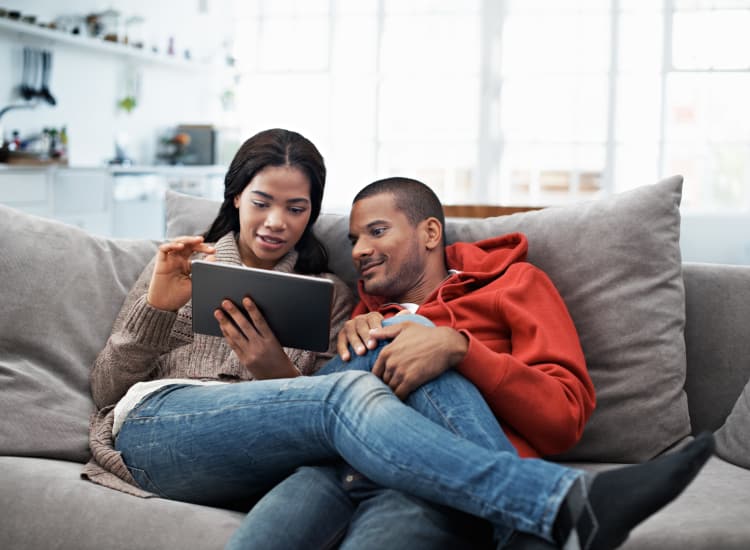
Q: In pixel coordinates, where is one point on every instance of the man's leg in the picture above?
(450, 401)
(387, 518)
(309, 509)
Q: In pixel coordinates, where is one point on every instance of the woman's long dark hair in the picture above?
(276, 147)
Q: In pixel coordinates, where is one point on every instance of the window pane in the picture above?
(716, 176)
(555, 6)
(355, 44)
(636, 164)
(640, 36)
(353, 113)
(708, 107)
(296, 102)
(413, 7)
(638, 108)
(564, 108)
(446, 167)
(428, 109)
(430, 44)
(711, 40)
(350, 164)
(292, 43)
(547, 174)
(554, 44)
(295, 7)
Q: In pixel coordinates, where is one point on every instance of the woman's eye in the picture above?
(297, 210)
(259, 204)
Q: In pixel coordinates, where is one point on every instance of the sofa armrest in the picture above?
(717, 337)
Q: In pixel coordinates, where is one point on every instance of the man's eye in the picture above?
(378, 231)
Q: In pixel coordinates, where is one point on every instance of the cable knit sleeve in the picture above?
(140, 334)
(341, 309)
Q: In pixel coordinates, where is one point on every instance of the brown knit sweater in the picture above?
(150, 344)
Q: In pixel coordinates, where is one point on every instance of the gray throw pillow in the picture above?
(733, 438)
(617, 265)
(61, 290)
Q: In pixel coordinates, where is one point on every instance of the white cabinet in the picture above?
(80, 197)
(83, 197)
(25, 190)
(107, 201)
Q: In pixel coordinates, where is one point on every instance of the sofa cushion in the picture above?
(733, 438)
(46, 505)
(62, 289)
(617, 265)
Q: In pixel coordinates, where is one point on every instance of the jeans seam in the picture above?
(447, 422)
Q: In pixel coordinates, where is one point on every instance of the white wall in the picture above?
(715, 238)
(88, 83)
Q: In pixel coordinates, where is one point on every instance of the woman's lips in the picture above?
(271, 243)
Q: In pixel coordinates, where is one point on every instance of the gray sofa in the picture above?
(667, 345)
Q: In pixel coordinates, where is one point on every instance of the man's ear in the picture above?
(433, 232)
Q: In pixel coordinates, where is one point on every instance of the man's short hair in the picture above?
(412, 197)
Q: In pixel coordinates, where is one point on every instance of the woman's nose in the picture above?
(275, 219)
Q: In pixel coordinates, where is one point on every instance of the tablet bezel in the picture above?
(296, 307)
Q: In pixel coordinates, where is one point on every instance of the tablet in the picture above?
(296, 307)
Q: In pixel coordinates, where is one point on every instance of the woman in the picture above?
(273, 194)
(171, 422)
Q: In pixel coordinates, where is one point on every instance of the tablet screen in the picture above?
(296, 307)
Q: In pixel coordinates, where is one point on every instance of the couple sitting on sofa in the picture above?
(447, 425)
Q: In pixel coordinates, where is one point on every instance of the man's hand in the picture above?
(253, 341)
(416, 355)
(356, 332)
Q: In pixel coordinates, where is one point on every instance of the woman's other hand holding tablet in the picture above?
(253, 341)
(170, 286)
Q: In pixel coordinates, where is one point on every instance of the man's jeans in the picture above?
(318, 506)
(224, 443)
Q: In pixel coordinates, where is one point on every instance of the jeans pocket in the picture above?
(144, 481)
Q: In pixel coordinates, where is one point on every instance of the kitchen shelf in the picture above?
(54, 36)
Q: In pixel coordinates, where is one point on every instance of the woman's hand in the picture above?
(170, 286)
(253, 342)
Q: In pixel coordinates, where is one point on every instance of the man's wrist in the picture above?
(458, 346)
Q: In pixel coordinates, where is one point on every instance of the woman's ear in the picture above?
(236, 201)
(433, 231)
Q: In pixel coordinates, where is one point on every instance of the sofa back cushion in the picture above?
(61, 289)
(617, 265)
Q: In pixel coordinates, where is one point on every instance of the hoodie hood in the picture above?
(477, 264)
(487, 259)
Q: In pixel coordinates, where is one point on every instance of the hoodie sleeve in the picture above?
(541, 388)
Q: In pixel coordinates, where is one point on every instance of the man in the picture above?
(497, 321)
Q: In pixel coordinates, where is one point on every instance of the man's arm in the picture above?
(539, 387)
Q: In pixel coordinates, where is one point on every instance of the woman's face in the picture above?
(274, 209)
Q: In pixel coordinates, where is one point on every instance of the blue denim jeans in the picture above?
(318, 506)
(218, 444)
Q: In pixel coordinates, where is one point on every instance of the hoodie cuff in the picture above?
(481, 366)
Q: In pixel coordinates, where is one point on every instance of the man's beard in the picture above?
(393, 286)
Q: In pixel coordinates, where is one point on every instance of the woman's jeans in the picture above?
(217, 444)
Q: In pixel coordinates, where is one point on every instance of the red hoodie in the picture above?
(524, 352)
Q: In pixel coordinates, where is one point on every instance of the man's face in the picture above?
(386, 248)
